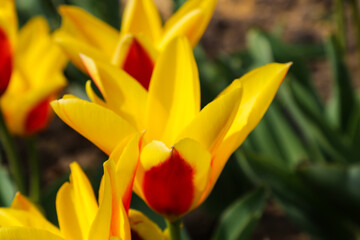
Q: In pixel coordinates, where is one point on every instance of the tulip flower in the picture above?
(35, 64)
(142, 36)
(80, 215)
(8, 24)
(183, 149)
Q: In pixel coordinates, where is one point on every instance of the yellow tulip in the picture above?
(141, 37)
(80, 215)
(8, 24)
(183, 149)
(36, 74)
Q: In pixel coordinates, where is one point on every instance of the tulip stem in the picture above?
(34, 191)
(174, 229)
(12, 155)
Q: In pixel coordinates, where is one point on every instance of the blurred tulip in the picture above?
(8, 26)
(36, 77)
(141, 38)
(183, 149)
(5, 61)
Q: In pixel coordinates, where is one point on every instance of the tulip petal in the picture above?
(20, 202)
(16, 110)
(8, 19)
(100, 125)
(260, 87)
(119, 221)
(85, 27)
(126, 161)
(74, 47)
(38, 117)
(100, 227)
(174, 94)
(93, 96)
(185, 27)
(6, 64)
(26, 233)
(76, 205)
(214, 120)
(143, 227)
(124, 43)
(123, 94)
(174, 178)
(196, 28)
(20, 218)
(141, 17)
(138, 64)
(36, 45)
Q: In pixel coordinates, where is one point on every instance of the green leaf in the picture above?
(343, 102)
(310, 210)
(338, 184)
(240, 219)
(333, 141)
(231, 184)
(277, 138)
(259, 47)
(7, 188)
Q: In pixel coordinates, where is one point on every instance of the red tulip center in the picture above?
(5, 61)
(138, 64)
(38, 117)
(168, 187)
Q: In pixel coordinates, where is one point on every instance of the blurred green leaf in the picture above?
(240, 219)
(310, 210)
(343, 102)
(334, 142)
(259, 47)
(275, 137)
(231, 184)
(338, 184)
(7, 188)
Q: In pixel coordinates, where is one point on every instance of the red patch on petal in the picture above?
(5, 61)
(138, 64)
(168, 187)
(38, 117)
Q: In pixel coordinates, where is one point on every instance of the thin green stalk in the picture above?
(12, 155)
(174, 229)
(356, 25)
(34, 167)
(340, 22)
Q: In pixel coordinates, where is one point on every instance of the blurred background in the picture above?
(297, 176)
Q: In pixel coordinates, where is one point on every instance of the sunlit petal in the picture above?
(82, 25)
(213, 122)
(206, 7)
(141, 17)
(123, 94)
(174, 94)
(100, 125)
(143, 227)
(26, 233)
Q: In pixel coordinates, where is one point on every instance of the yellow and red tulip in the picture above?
(34, 65)
(7, 25)
(80, 215)
(141, 38)
(183, 149)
